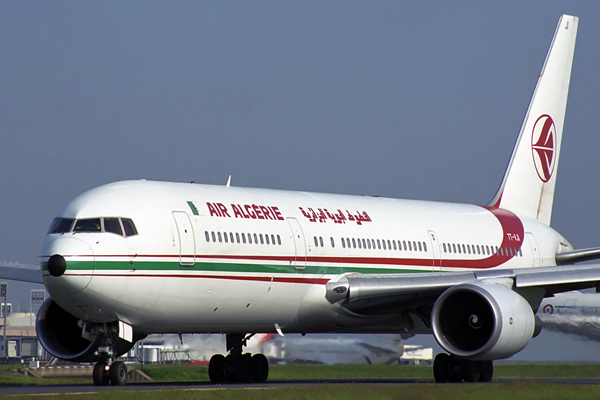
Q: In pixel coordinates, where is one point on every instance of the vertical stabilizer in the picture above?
(528, 185)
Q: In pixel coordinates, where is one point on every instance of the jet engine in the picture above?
(482, 321)
(69, 338)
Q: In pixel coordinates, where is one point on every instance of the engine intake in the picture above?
(60, 334)
(482, 321)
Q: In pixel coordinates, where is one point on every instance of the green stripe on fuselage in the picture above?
(172, 266)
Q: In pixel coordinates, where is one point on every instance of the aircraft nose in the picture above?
(57, 265)
(69, 266)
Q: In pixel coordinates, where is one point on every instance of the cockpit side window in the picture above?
(88, 225)
(113, 225)
(61, 225)
(129, 227)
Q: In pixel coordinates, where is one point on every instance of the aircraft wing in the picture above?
(21, 272)
(379, 294)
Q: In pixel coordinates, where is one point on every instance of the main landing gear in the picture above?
(447, 368)
(238, 367)
(116, 374)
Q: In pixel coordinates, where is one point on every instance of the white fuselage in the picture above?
(226, 259)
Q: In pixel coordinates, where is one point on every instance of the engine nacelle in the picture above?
(482, 321)
(62, 335)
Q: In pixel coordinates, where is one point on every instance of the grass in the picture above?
(492, 391)
(199, 373)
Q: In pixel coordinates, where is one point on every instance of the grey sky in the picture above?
(418, 100)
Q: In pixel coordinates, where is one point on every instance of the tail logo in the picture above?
(543, 144)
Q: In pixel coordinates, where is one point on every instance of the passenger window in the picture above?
(316, 241)
(88, 225)
(214, 238)
(364, 247)
(220, 238)
(424, 246)
(255, 239)
(272, 238)
(343, 243)
(378, 244)
(261, 239)
(369, 243)
(469, 249)
(129, 227)
(243, 238)
(409, 246)
(225, 236)
(459, 252)
(321, 240)
(383, 243)
(404, 243)
(390, 245)
(444, 245)
(393, 241)
(237, 237)
(231, 237)
(278, 240)
(267, 239)
(420, 247)
(207, 236)
(332, 242)
(353, 242)
(250, 238)
(359, 244)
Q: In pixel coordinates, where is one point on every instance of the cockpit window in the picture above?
(106, 224)
(61, 225)
(113, 225)
(88, 225)
(129, 227)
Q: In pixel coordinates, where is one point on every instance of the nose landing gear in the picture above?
(238, 367)
(116, 374)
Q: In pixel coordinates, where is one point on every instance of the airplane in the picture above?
(315, 349)
(134, 258)
(574, 313)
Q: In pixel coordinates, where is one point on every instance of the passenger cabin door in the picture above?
(535, 253)
(299, 243)
(187, 242)
(435, 249)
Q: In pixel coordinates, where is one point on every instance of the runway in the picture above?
(208, 386)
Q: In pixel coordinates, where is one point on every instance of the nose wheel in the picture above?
(116, 374)
(238, 367)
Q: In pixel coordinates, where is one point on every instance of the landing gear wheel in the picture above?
(237, 368)
(260, 366)
(216, 368)
(441, 368)
(486, 370)
(101, 375)
(470, 371)
(118, 374)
